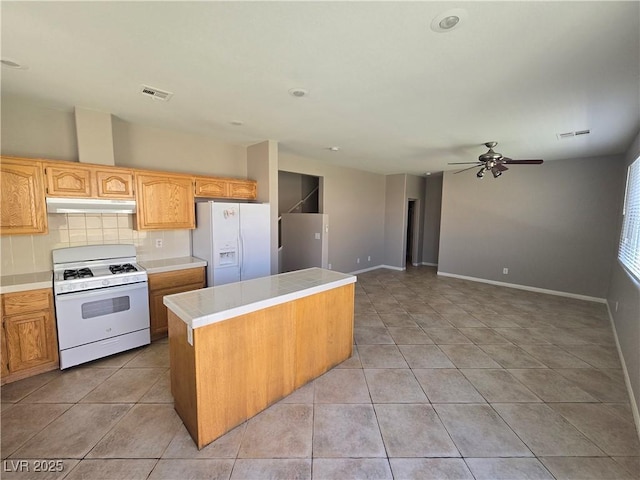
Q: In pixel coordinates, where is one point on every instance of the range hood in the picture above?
(90, 205)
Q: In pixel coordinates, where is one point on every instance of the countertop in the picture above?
(214, 304)
(26, 281)
(171, 264)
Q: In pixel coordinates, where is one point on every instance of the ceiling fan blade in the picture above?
(465, 169)
(465, 163)
(521, 162)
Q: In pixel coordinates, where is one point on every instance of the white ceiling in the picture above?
(396, 96)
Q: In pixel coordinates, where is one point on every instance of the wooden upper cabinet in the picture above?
(114, 183)
(211, 187)
(88, 181)
(164, 202)
(69, 181)
(22, 197)
(245, 189)
(216, 187)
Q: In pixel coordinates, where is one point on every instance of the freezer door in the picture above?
(226, 243)
(255, 240)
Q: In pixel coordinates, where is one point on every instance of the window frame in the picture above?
(629, 242)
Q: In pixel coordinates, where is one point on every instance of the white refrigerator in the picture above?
(234, 239)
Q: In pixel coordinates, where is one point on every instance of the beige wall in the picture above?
(140, 146)
(552, 225)
(31, 130)
(431, 230)
(354, 202)
(395, 220)
(624, 304)
(262, 166)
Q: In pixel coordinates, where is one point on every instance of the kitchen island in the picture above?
(235, 349)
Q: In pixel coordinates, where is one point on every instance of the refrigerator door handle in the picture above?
(241, 256)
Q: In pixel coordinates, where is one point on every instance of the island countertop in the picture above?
(214, 304)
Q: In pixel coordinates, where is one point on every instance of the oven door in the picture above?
(86, 317)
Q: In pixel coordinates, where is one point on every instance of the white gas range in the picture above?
(102, 302)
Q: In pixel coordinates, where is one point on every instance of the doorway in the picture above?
(409, 260)
(413, 239)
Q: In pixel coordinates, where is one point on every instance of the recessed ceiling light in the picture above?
(236, 123)
(11, 63)
(298, 92)
(333, 149)
(427, 173)
(449, 20)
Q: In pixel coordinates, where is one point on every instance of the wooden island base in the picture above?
(238, 367)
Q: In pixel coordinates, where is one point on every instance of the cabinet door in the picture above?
(158, 311)
(243, 189)
(30, 340)
(168, 283)
(211, 187)
(68, 181)
(114, 183)
(3, 353)
(164, 202)
(22, 197)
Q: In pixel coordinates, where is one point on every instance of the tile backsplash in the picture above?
(32, 253)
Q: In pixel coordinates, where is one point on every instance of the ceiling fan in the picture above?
(493, 162)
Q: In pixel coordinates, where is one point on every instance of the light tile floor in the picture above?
(449, 380)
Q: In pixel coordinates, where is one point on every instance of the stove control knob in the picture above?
(105, 282)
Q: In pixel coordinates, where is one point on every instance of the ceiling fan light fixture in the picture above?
(496, 173)
(480, 173)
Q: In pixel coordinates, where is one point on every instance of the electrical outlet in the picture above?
(317, 236)
(329, 266)
(616, 308)
(158, 243)
(369, 258)
(505, 271)
(357, 260)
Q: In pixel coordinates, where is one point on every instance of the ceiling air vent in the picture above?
(155, 93)
(577, 133)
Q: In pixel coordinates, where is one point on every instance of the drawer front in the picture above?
(176, 278)
(24, 302)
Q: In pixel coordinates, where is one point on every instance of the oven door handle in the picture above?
(110, 291)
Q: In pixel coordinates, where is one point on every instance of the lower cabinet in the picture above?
(29, 340)
(168, 283)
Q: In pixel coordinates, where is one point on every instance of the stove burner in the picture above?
(79, 273)
(125, 268)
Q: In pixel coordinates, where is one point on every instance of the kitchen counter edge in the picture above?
(23, 282)
(171, 264)
(172, 302)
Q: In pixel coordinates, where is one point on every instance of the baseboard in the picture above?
(389, 267)
(525, 287)
(368, 269)
(430, 264)
(625, 372)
